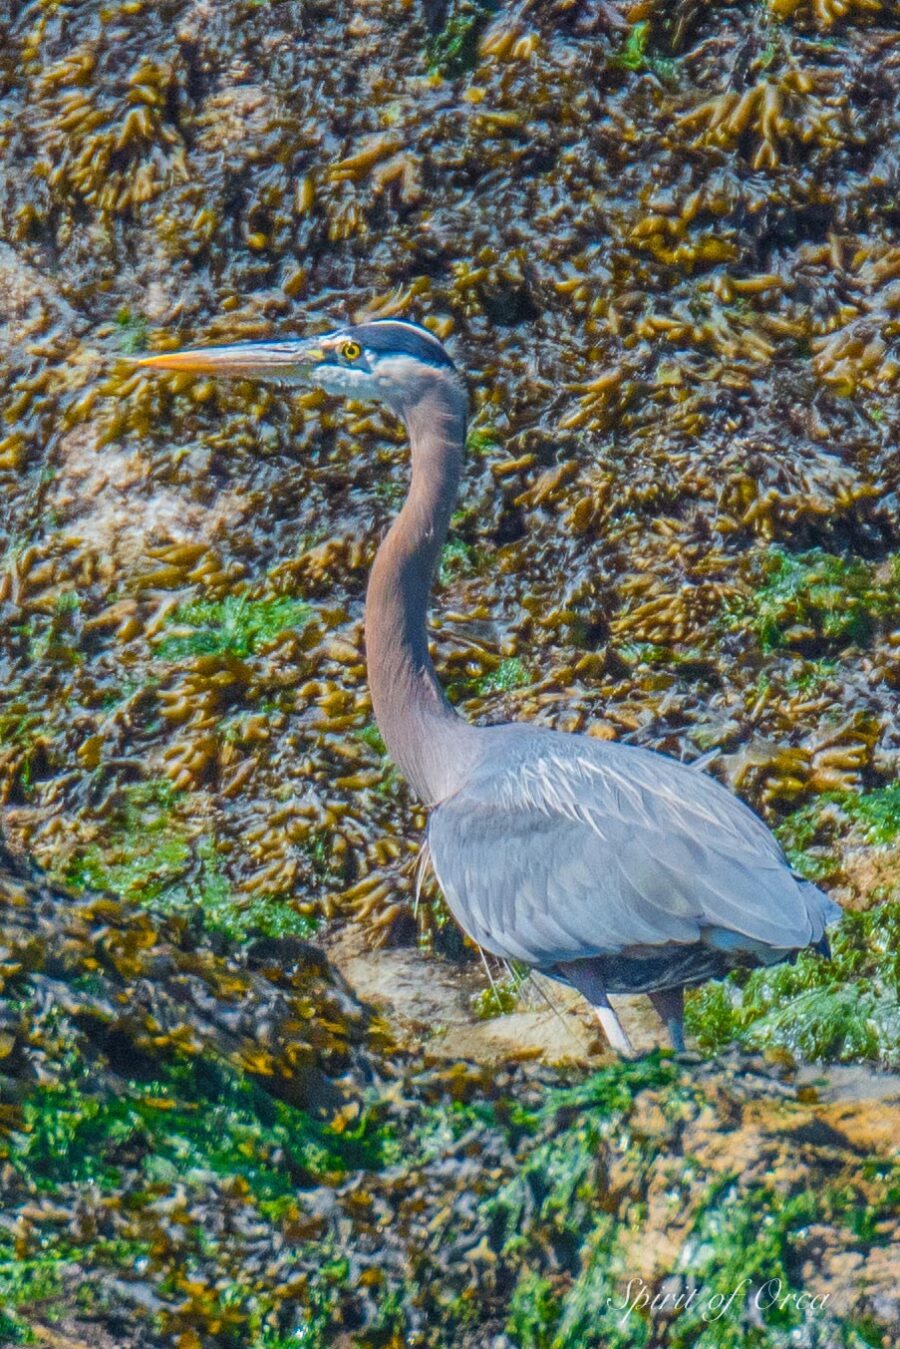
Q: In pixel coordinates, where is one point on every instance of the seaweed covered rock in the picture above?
(462, 1206)
(139, 996)
(131, 1055)
(632, 1207)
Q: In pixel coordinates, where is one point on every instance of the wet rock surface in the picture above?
(204, 1150)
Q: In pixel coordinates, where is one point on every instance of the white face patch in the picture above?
(346, 381)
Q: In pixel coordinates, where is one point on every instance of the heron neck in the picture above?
(424, 736)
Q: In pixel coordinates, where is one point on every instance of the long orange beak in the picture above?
(242, 359)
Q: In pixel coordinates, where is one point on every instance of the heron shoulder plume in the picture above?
(609, 867)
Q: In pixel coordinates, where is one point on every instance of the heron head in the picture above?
(391, 360)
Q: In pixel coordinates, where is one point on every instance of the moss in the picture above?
(813, 675)
(67, 602)
(559, 1172)
(750, 1236)
(19, 728)
(392, 493)
(658, 656)
(49, 637)
(844, 1023)
(438, 1127)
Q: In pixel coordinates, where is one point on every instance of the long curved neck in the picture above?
(424, 736)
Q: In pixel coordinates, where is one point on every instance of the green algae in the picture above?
(146, 854)
(26, 1284)
(371, 736)
(634, 48)
(201, 1116)
(876, 813)
(558, 1191)
(806, 833)
(458, 558)
(656, 388)
(845, 1008)
(510, 674)
(236, 626)
(498, 998)
(533, 1312)
(822, 596)
(453, 50)
(201, 1123)
(154, 857)
(741, 1247)
(636, 53)
(133, 330)
(563, 1179)
(482, 441)
(736, 319)
(505, 676)
(743, 1240)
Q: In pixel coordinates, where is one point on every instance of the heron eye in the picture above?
(351, 351)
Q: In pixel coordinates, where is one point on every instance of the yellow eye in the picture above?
(351, 351)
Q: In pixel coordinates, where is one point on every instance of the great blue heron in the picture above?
(613, 868)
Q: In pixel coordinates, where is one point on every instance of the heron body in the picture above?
(614, 868)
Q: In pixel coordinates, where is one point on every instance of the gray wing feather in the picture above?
(560, 847)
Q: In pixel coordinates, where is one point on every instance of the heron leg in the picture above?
(668, 1003)
(613, 1028)
(590, 986)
